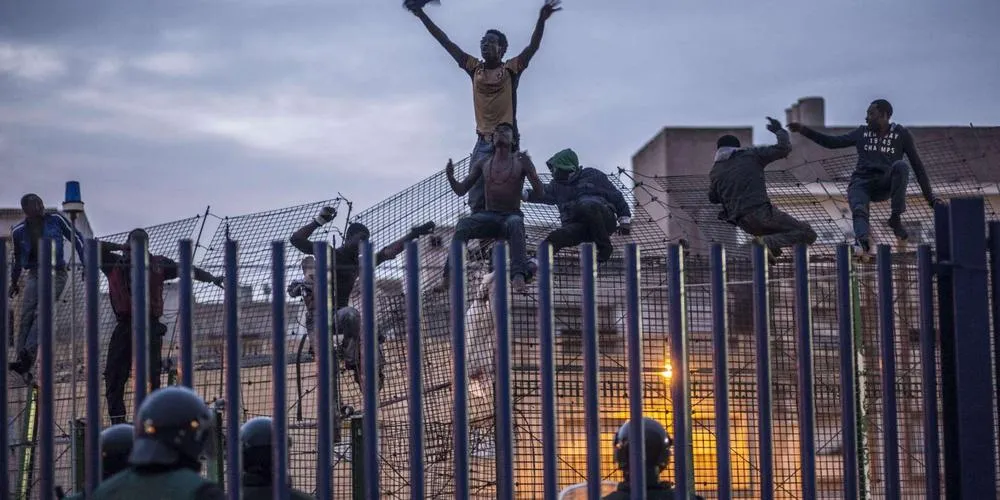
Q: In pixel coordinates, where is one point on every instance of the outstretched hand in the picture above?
(934, 201)
(416, 6)
(549, 7)
(773, 125)
(423, 229)
(449, 169)
(218, 281)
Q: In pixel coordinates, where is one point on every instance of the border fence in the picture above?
(953, 295)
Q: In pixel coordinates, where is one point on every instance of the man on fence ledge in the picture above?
(591, 208)
(257, 443)
(881, 174)
(173, 430)
(118, 269)
(494, 82)
(738, 184)
(503, 173)
(347, 320)
(26, 238)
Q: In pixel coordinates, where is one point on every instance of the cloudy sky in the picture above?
(162, 107)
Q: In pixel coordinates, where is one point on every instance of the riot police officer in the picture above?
(256, 441)
(658, 445)
(116, 444)
(172, 428)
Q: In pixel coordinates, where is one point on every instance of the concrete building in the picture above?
(811, 183)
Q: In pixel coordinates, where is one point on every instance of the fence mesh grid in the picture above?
(683, 197)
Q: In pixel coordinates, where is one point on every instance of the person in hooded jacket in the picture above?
(591, 208)
(256, 441)
(738, 184)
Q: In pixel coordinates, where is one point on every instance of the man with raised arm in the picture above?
(881, 174)
(494, 81)
(347, 320)
(502, 174)
(116, 264)
(738, 184)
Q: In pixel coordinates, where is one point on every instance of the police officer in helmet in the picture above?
(116, 445)
(172, 428)
(658, 445)
(256, 441)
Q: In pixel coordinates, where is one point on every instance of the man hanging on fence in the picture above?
(737, 183)
(881, 174)
(494, 82)
(591, 208)
(347, 320)
(304, 288)
(503, 174)
(26, 237)
(116, 264)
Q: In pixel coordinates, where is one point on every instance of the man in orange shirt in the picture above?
(494, 82)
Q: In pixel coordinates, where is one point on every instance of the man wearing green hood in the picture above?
(591, 208)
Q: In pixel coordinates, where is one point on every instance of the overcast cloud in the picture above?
(162, 107)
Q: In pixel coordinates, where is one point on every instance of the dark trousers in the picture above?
(592, 222)
(497, 225)
(776, 228)
(119, 364)
(865, 188)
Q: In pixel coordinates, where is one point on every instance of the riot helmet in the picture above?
(172, 428)
(116, 445)
(657, 444)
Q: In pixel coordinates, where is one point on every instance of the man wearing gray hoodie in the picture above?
(737, 183)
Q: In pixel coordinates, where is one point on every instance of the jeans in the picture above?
(500, 225)
(477, 194)
(119, 364)
(865, 188)
(347, 322)
(27, 339)
(592, 221)
(776, 228)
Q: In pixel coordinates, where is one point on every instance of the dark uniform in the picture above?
(658, 445)
(258, 472)
(172, 429)
(116, 445)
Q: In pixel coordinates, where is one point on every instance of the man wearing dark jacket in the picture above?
(347, 257)
(737, 183)
(591, 208)
(881, 174)
(116, 264)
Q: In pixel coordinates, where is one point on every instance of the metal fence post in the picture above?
(928, 369)
(633, 323)
(887, 329)
(761, 318)
(185, 311)
(994, 244)
(5, 335)
(504, 403)
(279, 380)
(546, 341)
(848, 382)
(46, 390)
(717, 269)
(370, 362)
(591, 369)
(973, 382)
(415, 361)
(140, 318)
(92, 297)
(946, 331)
(807, 410)
(234, 404)
(460, 377)
(325, 275)
(677, 317)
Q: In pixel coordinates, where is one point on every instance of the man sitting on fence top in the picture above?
(503, 173)
(26, 237)
(591, 208)
(881, 174)
(347, 259)
(118, 269)
(737, 182)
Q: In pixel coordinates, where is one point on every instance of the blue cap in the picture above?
(73, 192)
